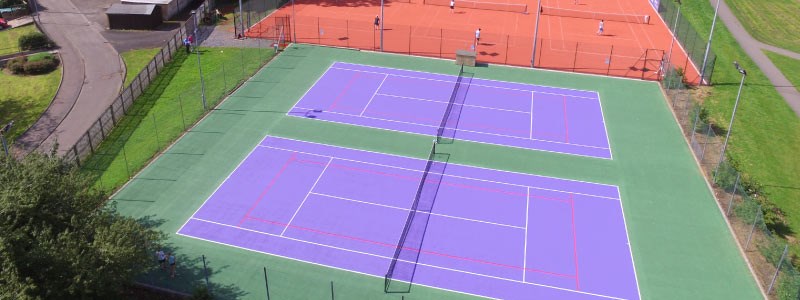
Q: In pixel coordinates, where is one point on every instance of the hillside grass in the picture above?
(24, 98)
(790, 67)
(774, 22)
(135, 61)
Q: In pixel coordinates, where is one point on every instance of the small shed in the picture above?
(129, 16)
(169, 8)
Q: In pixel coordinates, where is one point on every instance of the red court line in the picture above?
(414, 178)
(566, 124)
(346, 88)
(575, 244)
(393, 246)
(269, 186)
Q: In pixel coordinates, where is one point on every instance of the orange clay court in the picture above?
(567, 36)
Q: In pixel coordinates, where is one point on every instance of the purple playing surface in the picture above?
(491, 233)
(494, 112)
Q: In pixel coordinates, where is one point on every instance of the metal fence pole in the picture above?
(155, 129)
(180, 103)
(733, 195)
(205, 272)
(610, 55)
(125, 157)
(752, 229)
(778, 269)
(332, 294)
(266, 282)
(575, 58)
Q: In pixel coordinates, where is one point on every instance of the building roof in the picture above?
(131, 9)
(160, 2)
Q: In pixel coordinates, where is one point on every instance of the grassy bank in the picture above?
(775, 22)
(24, 98)
(171, 104)
(135, 61)
(790, 67)
(766, 133)
(9, 38)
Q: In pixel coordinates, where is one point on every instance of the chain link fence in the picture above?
(750, 216)
(687, 36)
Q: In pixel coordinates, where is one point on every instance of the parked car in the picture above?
(3, 24)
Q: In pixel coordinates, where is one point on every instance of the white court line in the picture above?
(605, 127)
(423, 212)
(462, 165)
(463, 130)
(471, 84)
(531, 136)
(449, 175)
(454, 104)
(525, 247)
(373, 95)
(306, 197)
(484, 79)
(385, 257)
(630, 250)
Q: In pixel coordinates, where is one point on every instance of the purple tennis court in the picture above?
(490, 233)
(494, 112)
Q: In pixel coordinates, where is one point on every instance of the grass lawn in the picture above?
(789, 67)
(171, 104)
(766, 133)
(135, 61)
(775, 22)
(24, 98)
(9, 38)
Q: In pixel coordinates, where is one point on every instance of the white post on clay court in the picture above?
(536, 31)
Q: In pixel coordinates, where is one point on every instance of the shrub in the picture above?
(17, 65)
(33, 40)
(9, 3)
(41, 66)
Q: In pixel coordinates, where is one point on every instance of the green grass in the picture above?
(135, 62)
(681, 246)
(766, 133)
(9, 38)
(167, 107)
(39, 56)
(774, 22)
(790, 67)
(24, 98)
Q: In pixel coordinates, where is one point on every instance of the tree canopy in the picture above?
(59, 238)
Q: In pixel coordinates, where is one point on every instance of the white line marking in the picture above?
(472, 84)
(373, 95)
(455, 164)
(446, 175)
(605, 127)
(463, 130)
(459, 104)
(384, 257)
(630, 250)
(531, 137)
(525, 247)
(423, 212)
(306, 197)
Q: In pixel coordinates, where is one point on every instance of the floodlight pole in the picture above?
(199, 67)
(241, 19)
(382, 21)
(536, 32)
(733, 115)
(674, 32)
(708, 44)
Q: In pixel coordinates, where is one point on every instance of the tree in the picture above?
(59, 238)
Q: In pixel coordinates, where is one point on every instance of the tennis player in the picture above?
(452, 6)
(477, 36)
(600, 27)
(377, 22)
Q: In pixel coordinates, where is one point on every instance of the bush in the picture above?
(9, 3)
(40, 66)
(33, 40)
(17, 65)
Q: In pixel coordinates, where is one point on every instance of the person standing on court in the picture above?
(377, 22)
(600, 27)
(452, 6)
(171, 260)
(162, 258)
(477, 37)
(187, 45)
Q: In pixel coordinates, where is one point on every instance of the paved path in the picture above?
(92, 78)
(753, 48)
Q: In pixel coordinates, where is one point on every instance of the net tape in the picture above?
(509, 7)
(582, 14)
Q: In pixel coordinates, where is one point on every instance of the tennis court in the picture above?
(494, 112)
(491, 233)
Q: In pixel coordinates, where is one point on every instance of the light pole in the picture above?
(674, 32)
(536, 32)
(241, 19)
(708, 45)
(733, 115)
(3, 132)
(199, 67)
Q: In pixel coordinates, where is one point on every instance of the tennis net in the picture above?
(510, 7)
(582, 14)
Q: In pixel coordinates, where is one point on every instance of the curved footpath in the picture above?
(753, 48)
(92, 78)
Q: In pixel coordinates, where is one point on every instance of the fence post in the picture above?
(610, 55)
(102, 133)
(180, 103)
(703, 151)
(205, 272)
(347, 32)
(644, 64)
(778, 269)
(77, 157)
(508, 38)
(155, 129)
(125, 157)
(409, 39)
(752, 229)
(224, 83)
(441, 37)
(575, 57)
(319, 36)
(733, 195)
(332, 295)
